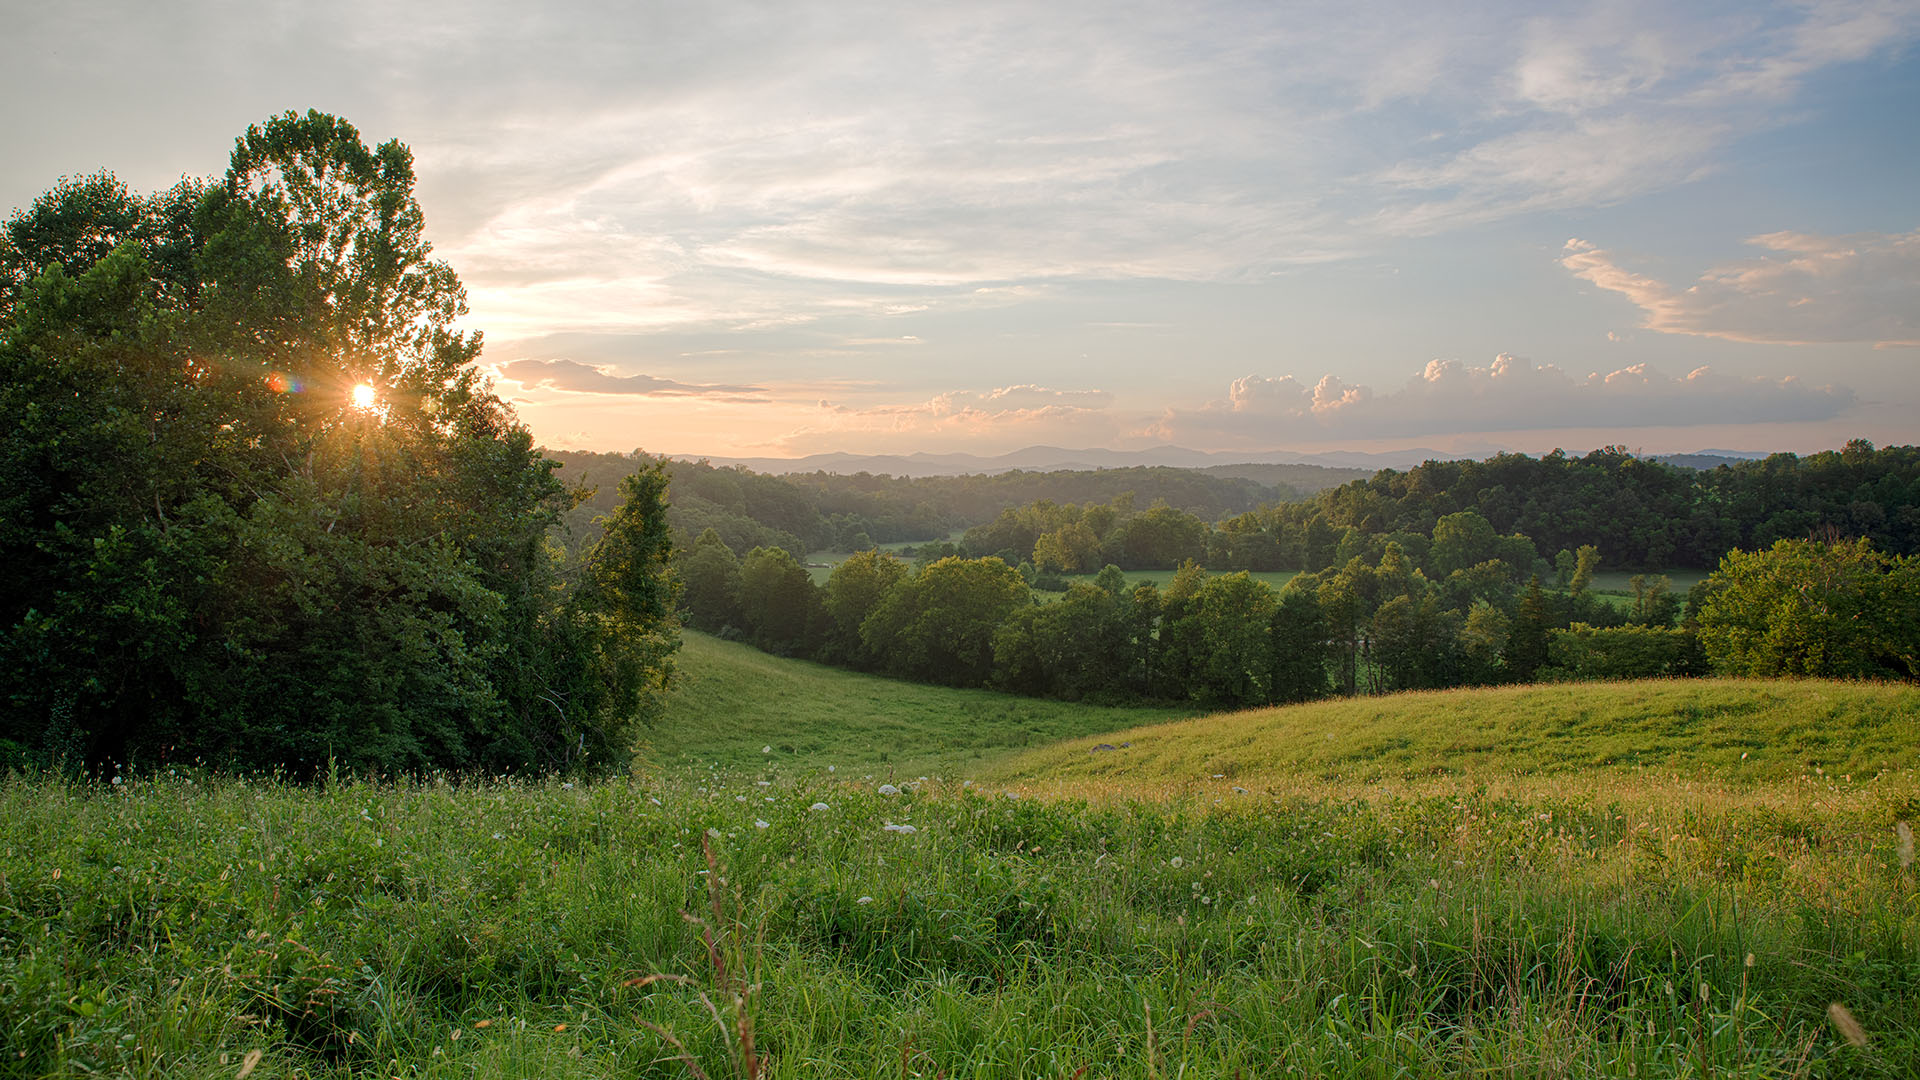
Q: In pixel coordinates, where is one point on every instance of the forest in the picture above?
(809, 512)
(1398, 588)
(1644, 514)
(261, 512)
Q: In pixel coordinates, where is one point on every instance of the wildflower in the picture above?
(758, 824)
(819, 806)
(714, 833)
(904, 830)
(888, 789)
(766, 749)
(1176, 862)
(864, 900)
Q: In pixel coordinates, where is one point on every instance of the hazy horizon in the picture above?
(774, 230)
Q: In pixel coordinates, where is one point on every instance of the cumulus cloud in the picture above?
(1807, 289)
(573, 377)
(1508, 394)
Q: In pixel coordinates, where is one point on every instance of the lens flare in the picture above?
(365, 397)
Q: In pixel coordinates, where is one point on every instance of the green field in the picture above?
(1726, 731)
(1523, 882)
(1276, 579)
(820, 564)
(1620, 582)
(736, 707)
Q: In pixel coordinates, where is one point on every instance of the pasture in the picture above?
(1475, 882)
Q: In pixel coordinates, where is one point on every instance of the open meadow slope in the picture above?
(1552, 881)
(1721, 730)
(731, 701)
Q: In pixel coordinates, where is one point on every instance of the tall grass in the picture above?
(1727, 730)
(1575, 925)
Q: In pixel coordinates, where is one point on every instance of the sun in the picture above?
(364, 396)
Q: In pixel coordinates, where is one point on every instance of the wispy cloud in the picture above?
(1808, 289)
(573, 377)
(935, 152)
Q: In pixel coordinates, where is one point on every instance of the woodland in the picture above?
(259, 510)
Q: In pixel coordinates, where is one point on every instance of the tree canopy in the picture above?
(223, 552)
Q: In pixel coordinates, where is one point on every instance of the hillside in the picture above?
(1742, 731)
(731, 700)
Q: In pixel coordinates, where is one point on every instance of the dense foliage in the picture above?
(1641, 513)
(1219, 640)
(1808, 608)
(820, 511)
(259, 510)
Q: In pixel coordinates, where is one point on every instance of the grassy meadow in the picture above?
(736, 707)
(1561, 881)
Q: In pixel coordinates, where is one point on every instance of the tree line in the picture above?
(807, 512)
(1461, 615)
(258, 510)
(1645, 514)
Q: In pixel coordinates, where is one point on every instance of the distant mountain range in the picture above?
(1051, 458)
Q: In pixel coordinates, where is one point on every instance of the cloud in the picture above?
(1809, 289)
(573, 377)
(962, 419)
(1507, 394)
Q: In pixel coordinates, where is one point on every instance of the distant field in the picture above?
(1621, 581)
(732, 700)
(820, 564)
(1731, 731)
(1275, 578)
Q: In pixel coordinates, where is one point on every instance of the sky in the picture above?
(778, 228)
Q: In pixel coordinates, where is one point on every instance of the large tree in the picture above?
(220, 552)
(1810, 607)
(939, 624)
